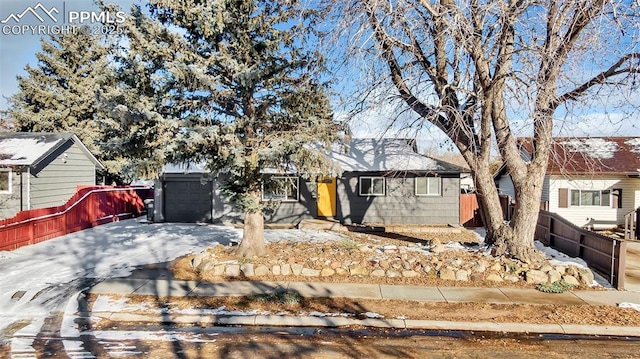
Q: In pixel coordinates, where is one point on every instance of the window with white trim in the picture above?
(5, 180)
(371, 186)
(590, 198)
(281, 188)
(428, 186)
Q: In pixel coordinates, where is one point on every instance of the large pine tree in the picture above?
(229, 83)
(59, 94)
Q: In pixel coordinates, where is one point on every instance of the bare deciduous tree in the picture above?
(472, 68)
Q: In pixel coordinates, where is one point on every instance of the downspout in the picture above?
(28, 188)
(21, 191)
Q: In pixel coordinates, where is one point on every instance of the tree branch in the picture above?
(602, 77)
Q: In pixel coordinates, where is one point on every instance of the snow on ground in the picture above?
(40, 279)
(555, 258)
(35, 278)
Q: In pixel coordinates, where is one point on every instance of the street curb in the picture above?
(406, 324)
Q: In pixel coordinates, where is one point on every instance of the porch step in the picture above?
(322, 225)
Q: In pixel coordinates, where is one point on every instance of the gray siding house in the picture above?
(39, 170)
(378, 181)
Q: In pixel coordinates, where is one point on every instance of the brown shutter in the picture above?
(617, 198)
(563, 197)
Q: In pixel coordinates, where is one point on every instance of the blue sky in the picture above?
(18, 50)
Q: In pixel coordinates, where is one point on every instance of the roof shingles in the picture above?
(592, 155)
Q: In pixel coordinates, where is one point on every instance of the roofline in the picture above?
(66, 137)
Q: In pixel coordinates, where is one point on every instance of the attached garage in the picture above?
(187, 199)
(183, 195)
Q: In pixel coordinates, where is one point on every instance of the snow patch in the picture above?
(629, 305)
(387, 154)
(24, 151)
(592, 147)
(634, 144)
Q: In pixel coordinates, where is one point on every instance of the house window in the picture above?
(590, 198)
(5, 180)
(281, 189)
(371, 186)
(428, 186)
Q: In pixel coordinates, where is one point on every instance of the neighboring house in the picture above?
(592, 182)
(380, 181)
(39, 170)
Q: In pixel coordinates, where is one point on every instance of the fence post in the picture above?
(635, 225)
(620, 270)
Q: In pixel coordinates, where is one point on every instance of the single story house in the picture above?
(380, 181)
(590, 181)
(39, 170)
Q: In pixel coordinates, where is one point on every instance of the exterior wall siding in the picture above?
(400, 203)
(505, 187)
(57, 178)
(581, 215)
(286, 212)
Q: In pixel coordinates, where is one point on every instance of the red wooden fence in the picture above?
(470, 211)
(89, 207)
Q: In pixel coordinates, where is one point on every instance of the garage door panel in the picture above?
(188, 201)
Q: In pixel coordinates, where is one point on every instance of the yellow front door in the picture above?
(326, 197)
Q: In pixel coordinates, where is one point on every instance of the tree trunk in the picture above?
(514, 238)
(252, 243)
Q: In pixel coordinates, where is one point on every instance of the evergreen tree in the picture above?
(59, 93)
(232, 84)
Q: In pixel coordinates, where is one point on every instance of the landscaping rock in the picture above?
(296, 268)
(479, 268)
(309, 272)
(327, 272)
(275, 270)
(409, 273)
(447, 274)
(285, 269)
(511, 278)
(546, 268)
(554, 276)
(536, 277)
(378, 273)
(494, 277)
(438, 248)
(393, 274)
(462, 275)
(219, 269)
(341, 271)
(586, 276)
(358, 270)
(261, 270)
(200, 258)
(247, 269)
(571, 280)
(232, 270)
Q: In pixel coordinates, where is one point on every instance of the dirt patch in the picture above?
(393, 309)
(348, 250)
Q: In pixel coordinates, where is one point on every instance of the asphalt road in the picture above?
(133, 340)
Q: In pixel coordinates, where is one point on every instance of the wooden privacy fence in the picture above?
(89, 207)
(470, 209)
(605, 254)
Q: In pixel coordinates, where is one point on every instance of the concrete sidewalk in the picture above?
(172, 287)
